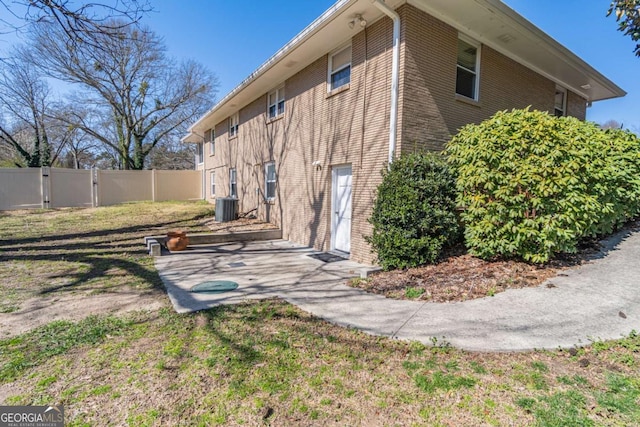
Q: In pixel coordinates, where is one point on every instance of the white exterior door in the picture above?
(341, 209)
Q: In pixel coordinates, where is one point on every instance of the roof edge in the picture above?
(308, 31)
(551, 43)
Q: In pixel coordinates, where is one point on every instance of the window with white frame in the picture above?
(560, 102)
(233, 184)
(199, 153)
(234, 121)
(270, 180)
(213, 183)
(210, 137)
(339, 68)
(468, 67)
(275, 100)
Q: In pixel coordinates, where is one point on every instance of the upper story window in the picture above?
(275, 100)
(234, 121)
(199, 153)
(560, 102)
(339, 68)
(468, 68)
(210, 138)
(270, 180)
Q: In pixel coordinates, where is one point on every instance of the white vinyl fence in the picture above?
(28, 188)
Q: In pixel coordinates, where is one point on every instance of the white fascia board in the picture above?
(299, 39)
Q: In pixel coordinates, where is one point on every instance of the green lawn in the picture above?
(264, 363)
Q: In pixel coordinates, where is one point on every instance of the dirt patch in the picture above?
(39, 311)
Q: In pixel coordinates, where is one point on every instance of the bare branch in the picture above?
(146, 95)
(80, 24)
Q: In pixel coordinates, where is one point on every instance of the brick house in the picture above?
(302, 141)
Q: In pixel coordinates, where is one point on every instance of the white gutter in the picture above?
(311, 29)
(395, 75)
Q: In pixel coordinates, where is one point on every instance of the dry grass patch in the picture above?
(54, 263)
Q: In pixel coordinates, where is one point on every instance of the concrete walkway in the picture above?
(600, 300)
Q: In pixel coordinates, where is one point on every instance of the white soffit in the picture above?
(192, 138)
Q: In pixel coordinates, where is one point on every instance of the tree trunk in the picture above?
(138, 154)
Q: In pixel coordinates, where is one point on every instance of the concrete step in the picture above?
(154, 244)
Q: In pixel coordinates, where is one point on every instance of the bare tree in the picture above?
(25, 102)
(173, 157)
(146, 95)
(7, 155)
(611, 124)
(79, 153)
(77, 150)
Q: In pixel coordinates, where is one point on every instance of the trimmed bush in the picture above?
(414, 216)
(532, 185)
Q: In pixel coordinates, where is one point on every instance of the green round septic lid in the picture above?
(214, 287)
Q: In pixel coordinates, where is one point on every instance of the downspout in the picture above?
(395, 76)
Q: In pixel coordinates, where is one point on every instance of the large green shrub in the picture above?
(414, 216)
(532, 185)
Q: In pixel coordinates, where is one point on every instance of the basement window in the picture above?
(233, 185)
(270, 180)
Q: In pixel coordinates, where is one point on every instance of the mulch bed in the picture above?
(458, 278)
(461, 277)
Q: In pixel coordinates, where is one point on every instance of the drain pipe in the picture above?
(395, 72)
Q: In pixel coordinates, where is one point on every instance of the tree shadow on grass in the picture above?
(99, 267)
(104, 251)
(133, 231)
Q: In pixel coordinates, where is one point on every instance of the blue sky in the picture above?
(232, 38)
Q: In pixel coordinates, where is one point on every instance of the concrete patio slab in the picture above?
(265, 269)
(599, 300)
